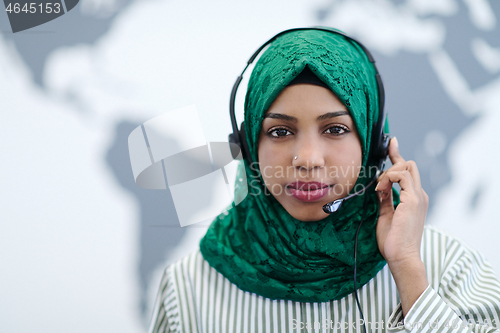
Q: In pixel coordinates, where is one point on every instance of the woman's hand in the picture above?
(399, 232)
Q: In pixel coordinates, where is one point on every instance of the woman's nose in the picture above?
(308, 154)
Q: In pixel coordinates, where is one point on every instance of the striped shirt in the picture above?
(463, 296)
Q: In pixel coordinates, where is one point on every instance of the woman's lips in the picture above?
(308, 192)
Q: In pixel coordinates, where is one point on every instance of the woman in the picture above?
(277, 262)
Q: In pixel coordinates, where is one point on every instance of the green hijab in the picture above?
(257, 244)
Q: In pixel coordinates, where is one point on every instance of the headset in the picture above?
(379, 144)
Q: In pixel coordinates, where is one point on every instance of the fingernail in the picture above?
(379, 197)
(396, 142)
(387, 195)
(376, 187)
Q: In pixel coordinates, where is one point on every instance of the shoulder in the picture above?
(458, 274)
(438, 244)
(447, 257)
(443, 243)
(188, 274)
(188, 267)
(173, 307)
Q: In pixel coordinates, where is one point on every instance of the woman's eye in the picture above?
(337, 130)
(278, 133)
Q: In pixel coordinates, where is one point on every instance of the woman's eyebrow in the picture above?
(294, 120)
(332, 115)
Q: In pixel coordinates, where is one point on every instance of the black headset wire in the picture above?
(355, 265)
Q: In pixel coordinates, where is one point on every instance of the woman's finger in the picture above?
(413, 169)
(386, 203)
(402, 177)
(396, 167)
(411, 166)
(394, 152)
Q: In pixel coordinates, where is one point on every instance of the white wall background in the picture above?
(69, 245)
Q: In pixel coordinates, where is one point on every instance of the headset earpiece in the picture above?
(380, 148)
(384, 146)
(239, 138)
(235, 147)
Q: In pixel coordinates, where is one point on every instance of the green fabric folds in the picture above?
(257, 244)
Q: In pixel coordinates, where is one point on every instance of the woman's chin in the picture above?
(310, 213)
(304, 210)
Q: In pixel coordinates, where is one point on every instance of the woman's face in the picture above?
(310, 122)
